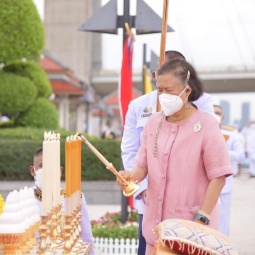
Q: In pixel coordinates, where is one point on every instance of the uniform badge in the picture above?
(147, 111)
(197, 127)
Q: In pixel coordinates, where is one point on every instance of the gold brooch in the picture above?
(197, 127)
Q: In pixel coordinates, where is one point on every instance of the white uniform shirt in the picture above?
(138, 113)
(85, 222)
(235, 145)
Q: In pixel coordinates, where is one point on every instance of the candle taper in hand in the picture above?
(131, 186)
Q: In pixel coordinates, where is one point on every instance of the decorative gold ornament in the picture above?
(11, 242)
(1, 204)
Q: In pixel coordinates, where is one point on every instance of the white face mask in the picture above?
(218, 118)
(38, 178)
(171, 103)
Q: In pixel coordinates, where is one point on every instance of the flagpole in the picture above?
(144, 63)
(124, 200)
(163, 33)
(163, 40)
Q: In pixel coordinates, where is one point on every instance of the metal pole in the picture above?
(124, 200)
(144, 63)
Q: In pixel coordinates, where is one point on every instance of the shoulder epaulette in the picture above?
(229, 128)
(38, 194)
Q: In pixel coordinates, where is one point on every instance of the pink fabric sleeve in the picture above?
(141, 156)
(215, 154)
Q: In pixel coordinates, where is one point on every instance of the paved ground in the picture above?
(242, 231)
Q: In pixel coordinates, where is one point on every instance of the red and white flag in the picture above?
(125, 82)
(126, 87)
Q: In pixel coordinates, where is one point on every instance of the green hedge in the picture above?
(43, 114)
(34, 73)
(29, 133)
(22, 32)
(16, 156)
(16, 93)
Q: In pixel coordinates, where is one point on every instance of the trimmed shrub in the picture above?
(43, 114)
(110, 226)
(16, 93)
(17, 155)
(29, 133)
(22, 32)
(33, 72)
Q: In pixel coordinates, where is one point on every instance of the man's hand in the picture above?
(127, 175)
(143, 195)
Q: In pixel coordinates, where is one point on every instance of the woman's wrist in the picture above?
(203, 217)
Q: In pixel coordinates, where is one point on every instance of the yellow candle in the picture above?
(79, 164)
(68, 168)
(73, 165)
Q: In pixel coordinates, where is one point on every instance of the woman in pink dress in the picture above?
(183, 152)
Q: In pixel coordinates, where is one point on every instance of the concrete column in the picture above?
(66, 113)
(80, 118)
(61, 111)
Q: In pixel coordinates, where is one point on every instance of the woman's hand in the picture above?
(127, 175)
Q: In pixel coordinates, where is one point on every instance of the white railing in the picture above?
(117, 246)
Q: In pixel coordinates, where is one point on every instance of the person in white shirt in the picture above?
(36, 171)
(235, 145)
(249, 134)
(138, 113)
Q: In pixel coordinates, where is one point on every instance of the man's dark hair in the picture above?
(37, 154)
(172, 54)
(179, 68)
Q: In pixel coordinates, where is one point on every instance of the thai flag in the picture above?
(125, 81)
(126, 87)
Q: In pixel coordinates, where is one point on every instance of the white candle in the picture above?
(55, 170)
(45, 183)
(58, 168)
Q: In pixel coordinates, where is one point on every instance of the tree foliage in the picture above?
(22, 32)
(16, 93)
(32, 71)
(43, 114)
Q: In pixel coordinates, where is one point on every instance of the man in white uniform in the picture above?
(36, 172)
(138, 113)
(249, 134)
(235, 145)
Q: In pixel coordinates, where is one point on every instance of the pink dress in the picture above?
(186, 162)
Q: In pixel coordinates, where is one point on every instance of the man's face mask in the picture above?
(38, 178)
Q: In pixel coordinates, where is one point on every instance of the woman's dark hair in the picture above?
(180, 69)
